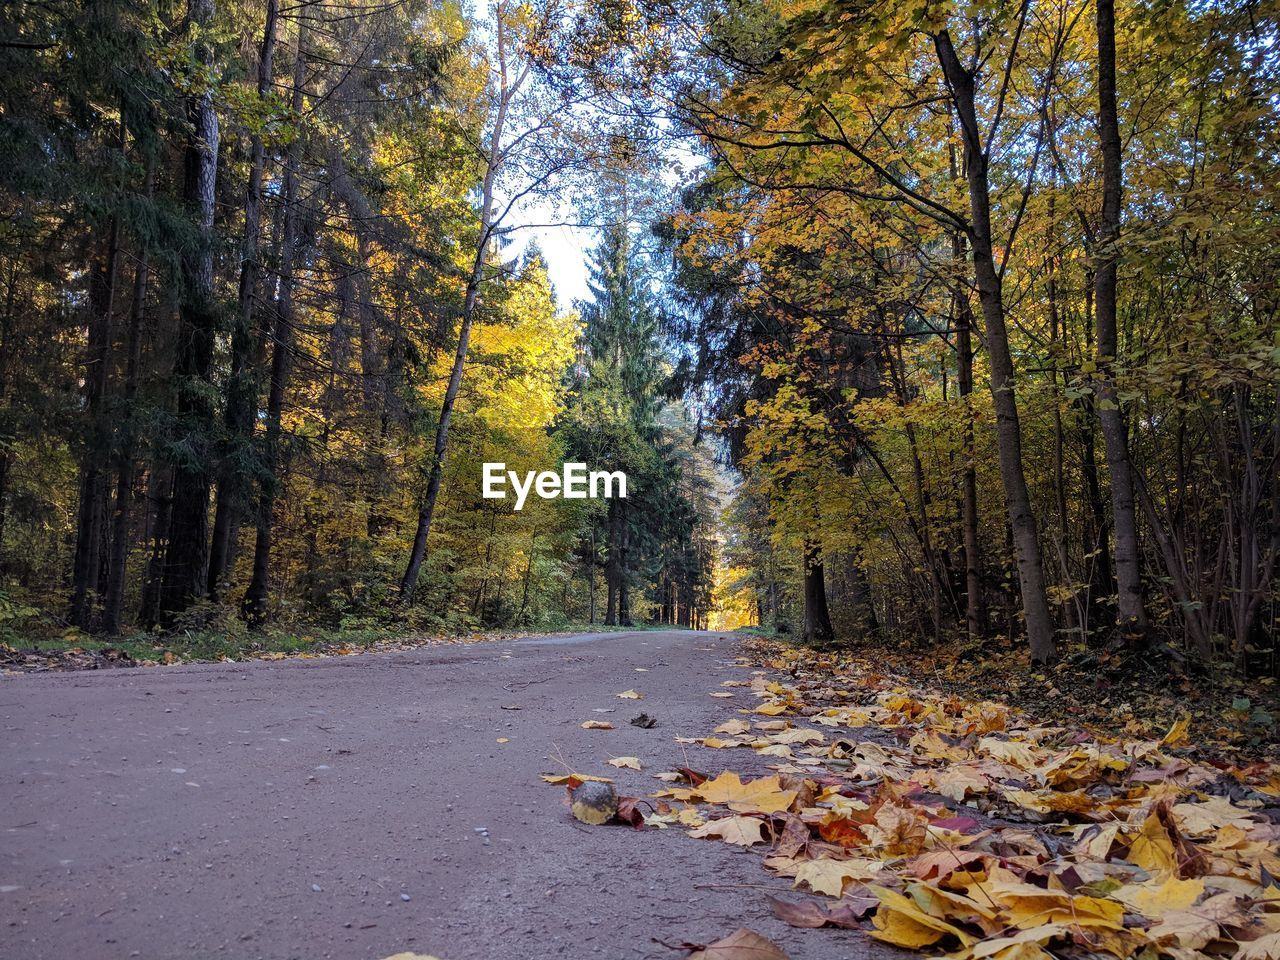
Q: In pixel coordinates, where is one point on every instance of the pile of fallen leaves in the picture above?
(1118, 691)
(73, 656)
(944, 824)
(70, 658)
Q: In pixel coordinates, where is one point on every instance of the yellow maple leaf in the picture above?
(743, 831)
(1152, 848)
(1023, 945)
(957, 782)
(829, 876)
(1177, 733)
(763, 795)
(898, 920)
(1154, 899)
(772, 709)
(1027, 905)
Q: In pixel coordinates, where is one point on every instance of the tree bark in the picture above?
(1035, 604)
(975, 611)
(409, 583)
(254, 607)
(186, 565)
(1129, 607)
(125, 466)
(817, 617)
(624, 572)
(242, 384)
(93, 487)
(612, 566)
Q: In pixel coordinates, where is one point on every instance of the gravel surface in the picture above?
(357, 807)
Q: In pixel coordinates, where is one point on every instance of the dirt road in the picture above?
(361, 806)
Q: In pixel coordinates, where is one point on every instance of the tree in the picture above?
(186, 563)
(1129, 608)
(522, 147)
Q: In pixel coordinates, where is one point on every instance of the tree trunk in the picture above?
(624, 572)
(591, 577)
(494, 161)
(612, 566)
(125, 467)
(159, 493)
(817, 617)
(1035, 604)
(418, 553)
(254, 607)
(1129, 608)
(242, 388)
(186, 564)
(975, 610)
(93, 487)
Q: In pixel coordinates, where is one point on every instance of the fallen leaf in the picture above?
(597, 725)
(901, 922)
(1177, 733)
(1155, 899)
(742, 944)
(630, 695)
(829, 876)
(812, 914)
(628, 763)
(1264, 948)
(772, 709)
(570, 778)
(958, 782)
(763, 795)
(1184, 929)
(743, 831)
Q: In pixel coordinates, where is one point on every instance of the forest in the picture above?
(917, 323)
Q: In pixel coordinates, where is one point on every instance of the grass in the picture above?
(234, 641)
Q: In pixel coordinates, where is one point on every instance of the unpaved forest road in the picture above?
(192, 811)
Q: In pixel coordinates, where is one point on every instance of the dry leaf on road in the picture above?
(812, 914)
(742, 944)
(743, 831)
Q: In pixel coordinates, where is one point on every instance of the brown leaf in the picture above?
(742, 944)
(793, 838)
(628, 811)
(810, 913)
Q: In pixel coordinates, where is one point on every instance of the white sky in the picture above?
(565, 249)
